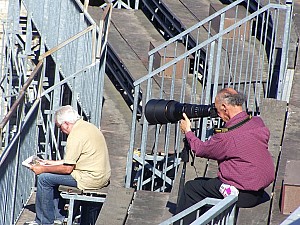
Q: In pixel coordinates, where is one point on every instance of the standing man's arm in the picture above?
(185, 124)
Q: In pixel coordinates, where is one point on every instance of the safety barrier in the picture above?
(57, 78)
(222, 212)
(242, 55)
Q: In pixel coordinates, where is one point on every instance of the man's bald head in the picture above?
(229, 103)
(231, 97)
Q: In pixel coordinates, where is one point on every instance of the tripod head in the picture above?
(186, 152)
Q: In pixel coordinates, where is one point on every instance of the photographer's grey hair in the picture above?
(233, 99)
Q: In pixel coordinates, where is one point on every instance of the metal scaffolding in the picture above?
(53, 56)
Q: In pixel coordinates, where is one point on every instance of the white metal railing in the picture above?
(248, 55)
(222, 212)
(294, 218)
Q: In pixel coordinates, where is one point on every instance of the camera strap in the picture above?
(226, 129)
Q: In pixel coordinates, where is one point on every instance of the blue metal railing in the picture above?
(27, 127)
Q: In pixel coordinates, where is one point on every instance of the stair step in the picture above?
(115, 208)
(147, 208)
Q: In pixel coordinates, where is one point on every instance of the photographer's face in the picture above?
(222, 110)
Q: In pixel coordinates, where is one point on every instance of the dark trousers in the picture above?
(90, 212)
(196, 190)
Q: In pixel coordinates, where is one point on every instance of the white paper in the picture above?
(32, 160)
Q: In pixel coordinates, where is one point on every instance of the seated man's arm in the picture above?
(59, 169)
(53, 162)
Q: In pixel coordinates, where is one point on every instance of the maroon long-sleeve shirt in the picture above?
(242, 154)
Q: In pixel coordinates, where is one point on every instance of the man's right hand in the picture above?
(185, 124)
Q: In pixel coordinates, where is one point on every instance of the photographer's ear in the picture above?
(224, 107)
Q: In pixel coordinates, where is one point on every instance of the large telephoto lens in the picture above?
(160, 111)
(194, 111)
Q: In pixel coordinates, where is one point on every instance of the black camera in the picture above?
(160, 111)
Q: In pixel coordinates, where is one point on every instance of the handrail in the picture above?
(107, 12)
(220, 205)
(12, 110)
(201, 45)
(201, 23)
(69, 40)
(293, 218)
(27, 128)
(36, 70)
(217, 210)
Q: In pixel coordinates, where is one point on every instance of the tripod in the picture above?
(186, 151)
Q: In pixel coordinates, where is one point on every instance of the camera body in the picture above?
(160, 111)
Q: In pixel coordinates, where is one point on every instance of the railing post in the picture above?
(285, 49)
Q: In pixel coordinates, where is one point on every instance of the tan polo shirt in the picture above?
(87, 149)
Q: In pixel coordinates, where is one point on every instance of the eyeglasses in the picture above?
(59, 125)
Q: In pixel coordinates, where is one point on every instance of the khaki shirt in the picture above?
(87, 150)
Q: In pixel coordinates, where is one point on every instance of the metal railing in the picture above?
(293, 218)
(127, 4)
(70, 70)
(240, 49)
(222, 212)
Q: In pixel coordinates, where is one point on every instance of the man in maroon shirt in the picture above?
(241, 150)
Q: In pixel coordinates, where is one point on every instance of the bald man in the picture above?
(245, 165)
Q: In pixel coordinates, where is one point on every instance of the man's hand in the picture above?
(185, 124)
(37, 169)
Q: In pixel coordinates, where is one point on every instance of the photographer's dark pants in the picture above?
(196, 190)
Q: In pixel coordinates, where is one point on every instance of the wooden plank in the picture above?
(28, 213)
(137, 30)
(212, 168)
(273, 113)
(172, 202)
(121, 48)
(291, 140)
(75, 190)
(289, 151)
(115, 123)
(195, 169)
(259, 215)
(290, 200)
(181, 13)
(200, 9)
(139, 33)
(147, 208)
(115, 208)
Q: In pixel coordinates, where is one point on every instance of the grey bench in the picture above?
(116, 202)
(74, 194)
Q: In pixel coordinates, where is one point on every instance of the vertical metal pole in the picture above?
(208, 87)
(86, 5)
(132, 137)
(218, 60)
(285, 49)
(28, 35)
